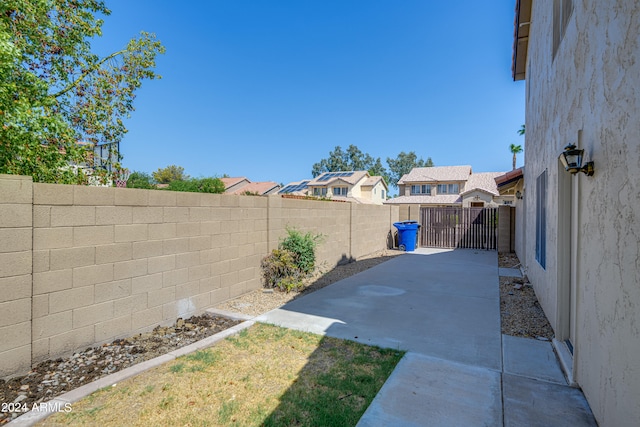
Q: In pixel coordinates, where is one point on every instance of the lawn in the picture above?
(266, 375)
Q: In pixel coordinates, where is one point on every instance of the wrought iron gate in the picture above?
(475, 228)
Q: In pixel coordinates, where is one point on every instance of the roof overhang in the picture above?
(521, 39)
(509, 180)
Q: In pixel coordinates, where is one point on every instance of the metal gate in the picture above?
(475, 228)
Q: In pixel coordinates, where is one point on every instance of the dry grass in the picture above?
(266, 375)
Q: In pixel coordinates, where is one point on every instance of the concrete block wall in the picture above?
(368, 226)
(330, 219)
(113, 262)
(84, 265)
(15, 273)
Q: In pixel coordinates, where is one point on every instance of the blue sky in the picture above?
(264, 89)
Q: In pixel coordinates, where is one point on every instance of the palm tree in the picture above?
(521, 131)
(515, 149)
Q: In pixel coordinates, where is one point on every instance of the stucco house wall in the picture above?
(478, 196)
(588, 94)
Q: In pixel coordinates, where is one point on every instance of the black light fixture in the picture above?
(571, 159)
(518, 195)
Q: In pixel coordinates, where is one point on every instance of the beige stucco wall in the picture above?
(589, 289)
(84, 265)
(478, 196)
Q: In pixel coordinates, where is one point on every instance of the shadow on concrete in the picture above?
(347, 266)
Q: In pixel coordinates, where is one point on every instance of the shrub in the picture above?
(280, 271)
(303, 246)
(198, 185)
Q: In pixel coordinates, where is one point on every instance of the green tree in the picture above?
(140, 180)
(515, 149)
(54, 92)
(169, 174)
(353, 159)
(521, 130)
(403, 164)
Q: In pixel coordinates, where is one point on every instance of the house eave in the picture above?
(521, 39)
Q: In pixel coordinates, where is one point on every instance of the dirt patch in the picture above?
(508, 261)
(55, 377)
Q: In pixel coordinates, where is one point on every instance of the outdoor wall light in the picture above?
(571, 159)
(518, 195)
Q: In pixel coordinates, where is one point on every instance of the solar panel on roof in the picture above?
(292, 188)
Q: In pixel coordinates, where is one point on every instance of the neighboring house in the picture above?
(449, 186)
(581, 242)
(350, 186)
(242, 185)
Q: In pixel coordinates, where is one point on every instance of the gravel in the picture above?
(520, 312)
(55, 377)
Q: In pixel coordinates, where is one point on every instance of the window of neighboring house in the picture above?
(340, 191)
(421, 189)
(562, 10)
(477, 204)
(382, 193)
(319, 191)
(507, 202)
(448, 189)
(541, 219)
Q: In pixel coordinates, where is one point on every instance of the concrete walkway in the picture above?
(443, 307)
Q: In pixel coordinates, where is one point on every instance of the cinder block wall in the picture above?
(84, 265)
(15, 273)
(111, 262)
(367, 225)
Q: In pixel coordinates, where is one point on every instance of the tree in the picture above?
(403, 164)
(169, 174)
(54, 92)
(351, 160)
(521, 130)
(140, 180)
(515, 149)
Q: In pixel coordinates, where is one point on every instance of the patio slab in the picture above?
(452, 394)
(531, 358)
(539, 403)
(444, 305)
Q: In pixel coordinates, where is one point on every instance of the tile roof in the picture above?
(437, 173)
(353, 179)
(230, 182)
(442, 199)
(256, 187)
(373, 180)
(510, 176)
(485, 181)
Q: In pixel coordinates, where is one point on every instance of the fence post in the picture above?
(504, 229)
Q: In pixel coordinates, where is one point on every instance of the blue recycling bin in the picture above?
(407, 235)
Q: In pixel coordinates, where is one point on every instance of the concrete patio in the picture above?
(443, 308)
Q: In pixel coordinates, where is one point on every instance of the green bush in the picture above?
(303, 246)
(198, 185)
(280, 271)
(294, 259)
